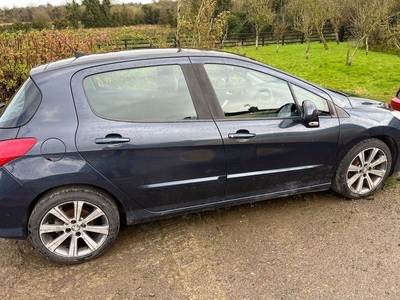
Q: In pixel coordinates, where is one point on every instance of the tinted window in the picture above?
(22, 107)
(320, 103)
(245, 93)
(141, 94)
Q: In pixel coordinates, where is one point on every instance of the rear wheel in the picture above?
(363, 170)
(73, 225)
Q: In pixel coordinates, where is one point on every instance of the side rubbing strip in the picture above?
(239, 175)
(179, 182)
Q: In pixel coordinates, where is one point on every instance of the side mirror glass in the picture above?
(309, 113)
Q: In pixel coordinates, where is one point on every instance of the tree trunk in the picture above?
(337, 36)
(257, 39)
(366, 46)
(322, 38)
(277, 47)
(307, 47)
(324, 42)
(178, 26)
(350, 60)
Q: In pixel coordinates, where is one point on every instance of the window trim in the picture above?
(195, 90)
(218, 114)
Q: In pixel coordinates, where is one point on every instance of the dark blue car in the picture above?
(91, 142)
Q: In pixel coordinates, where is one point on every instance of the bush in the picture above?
(19, 52)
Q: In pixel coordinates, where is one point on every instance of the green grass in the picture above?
(376, 75)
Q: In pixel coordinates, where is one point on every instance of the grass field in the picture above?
(376, 75)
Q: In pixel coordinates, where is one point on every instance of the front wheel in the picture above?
(74, 224)
(363, 170)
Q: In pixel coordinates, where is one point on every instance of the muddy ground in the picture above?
(313, 246)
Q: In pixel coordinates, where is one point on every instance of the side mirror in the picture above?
(309, 113)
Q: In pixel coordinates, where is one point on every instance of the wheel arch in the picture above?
(118, 203)
(390, 142)
(387, 139)
(360, 173)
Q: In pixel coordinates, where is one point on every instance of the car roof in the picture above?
(120, 56)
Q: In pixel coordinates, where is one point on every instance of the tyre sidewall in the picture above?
(61, 196)
(339, 183)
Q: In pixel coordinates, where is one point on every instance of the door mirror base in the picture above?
(309, 113)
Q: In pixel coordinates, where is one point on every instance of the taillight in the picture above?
(12, 149)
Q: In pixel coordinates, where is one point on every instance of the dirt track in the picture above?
(313, 246)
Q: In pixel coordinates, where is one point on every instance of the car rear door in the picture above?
(144, 125)
(269, 149)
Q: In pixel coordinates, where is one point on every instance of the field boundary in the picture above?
(241, 39)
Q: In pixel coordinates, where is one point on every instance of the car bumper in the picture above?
(14, 207)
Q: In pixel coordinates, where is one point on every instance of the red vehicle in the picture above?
(395, 103)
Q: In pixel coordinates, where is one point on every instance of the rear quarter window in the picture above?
(22, 107)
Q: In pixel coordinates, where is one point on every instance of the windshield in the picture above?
(22, 107)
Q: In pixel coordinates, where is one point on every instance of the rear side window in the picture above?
(22, 107)
(158, 93)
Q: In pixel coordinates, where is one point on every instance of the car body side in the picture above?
(64, 106)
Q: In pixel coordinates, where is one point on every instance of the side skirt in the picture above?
(143, 215)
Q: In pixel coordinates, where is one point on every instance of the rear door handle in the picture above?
(112, 139)
(241, 135)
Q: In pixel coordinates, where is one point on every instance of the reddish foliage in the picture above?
(19, 52)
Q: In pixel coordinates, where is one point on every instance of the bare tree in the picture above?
(337, 14)
(365, 18)
(279, 26)
(178, 25)
(302, 17)
(391, 36)
(196, 19)
(260, 14)
(319, 12)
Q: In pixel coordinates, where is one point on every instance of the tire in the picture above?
(363, 170)
(74, 224)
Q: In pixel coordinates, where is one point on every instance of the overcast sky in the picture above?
(24, 3)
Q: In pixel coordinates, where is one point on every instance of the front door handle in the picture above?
(241, 135)
(112, 139)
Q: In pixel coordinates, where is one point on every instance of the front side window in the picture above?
(142, 94)
(246, 93)
(320, 103)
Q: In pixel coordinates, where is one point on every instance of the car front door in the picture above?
(144, 125)
(269, 149)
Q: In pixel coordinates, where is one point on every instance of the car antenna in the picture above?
(76, 53)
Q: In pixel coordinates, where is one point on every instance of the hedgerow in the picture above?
(21, 51)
